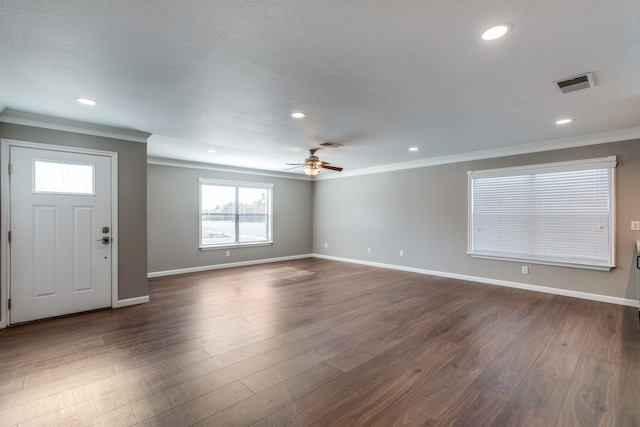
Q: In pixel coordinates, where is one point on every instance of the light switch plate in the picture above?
(635, 225)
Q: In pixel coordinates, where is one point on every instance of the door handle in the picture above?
(638, 261)
(105, 240)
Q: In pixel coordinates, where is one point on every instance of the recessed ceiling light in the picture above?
(414, 149)
(496, 32)
(298, 115)
(211, 151)
(87, 101)
(563, 121)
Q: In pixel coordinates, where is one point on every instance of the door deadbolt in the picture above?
(105, 240)
(105, 230)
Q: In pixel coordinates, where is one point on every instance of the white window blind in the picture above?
(559, 213)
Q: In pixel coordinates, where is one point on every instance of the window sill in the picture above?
(234, 246)
(542, 262)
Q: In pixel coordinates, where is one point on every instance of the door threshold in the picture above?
(46, 319)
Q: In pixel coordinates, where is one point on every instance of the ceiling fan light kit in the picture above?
(311, 171)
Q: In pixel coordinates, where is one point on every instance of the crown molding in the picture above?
(535, 147)
(221, 168)
(24, 118)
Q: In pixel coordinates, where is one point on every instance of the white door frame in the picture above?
(5, 220)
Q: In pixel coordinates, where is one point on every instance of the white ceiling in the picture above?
(378, 76)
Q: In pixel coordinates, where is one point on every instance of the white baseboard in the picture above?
(131, 301)
(509, 284)
(227, 265)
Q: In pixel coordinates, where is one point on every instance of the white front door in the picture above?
(60, 224)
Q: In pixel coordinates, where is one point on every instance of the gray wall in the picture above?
(132, 179)
(423, 211)
(173, 199)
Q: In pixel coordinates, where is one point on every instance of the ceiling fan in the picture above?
(312, 164)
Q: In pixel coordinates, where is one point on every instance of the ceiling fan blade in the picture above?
(295, 164)
(295, 167)
(333, 168)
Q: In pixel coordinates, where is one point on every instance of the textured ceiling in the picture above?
(378, 76)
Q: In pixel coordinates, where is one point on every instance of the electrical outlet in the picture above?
(401, 253)
(368, 250)
(635, 225)
(228, 253)
(326, 245)
(525, 269)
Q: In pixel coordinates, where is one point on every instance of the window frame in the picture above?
(236, 185)
(609, 163)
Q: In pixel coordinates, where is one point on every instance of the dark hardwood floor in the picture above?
(323, 343)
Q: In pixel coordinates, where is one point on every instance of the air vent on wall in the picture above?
(330, 144)
(583, 81)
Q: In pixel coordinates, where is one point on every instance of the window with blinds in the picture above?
(559, 213)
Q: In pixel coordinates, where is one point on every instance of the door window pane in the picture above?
(63, 178)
